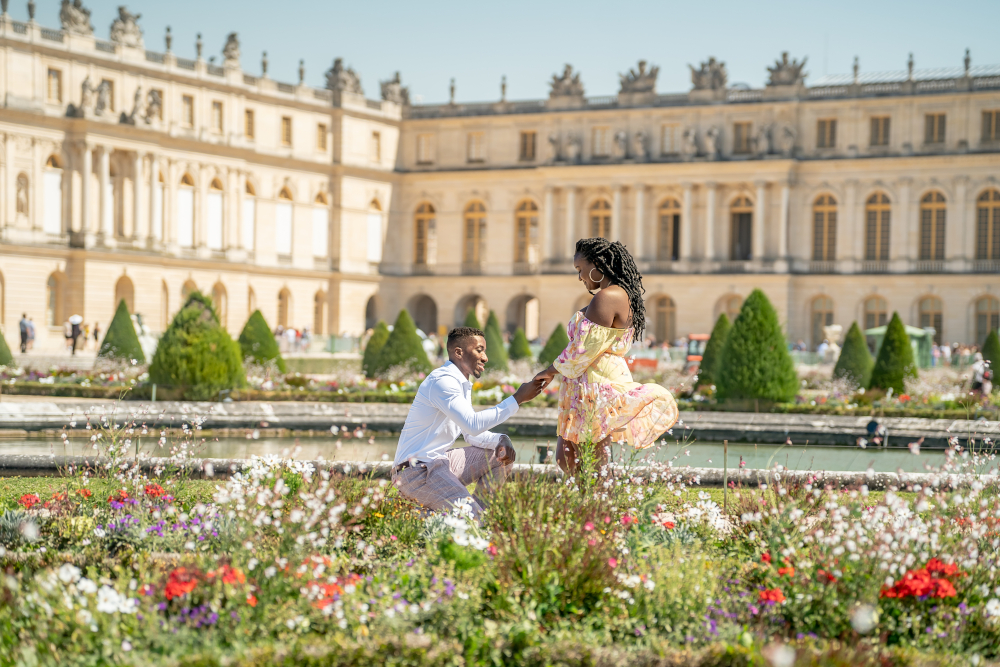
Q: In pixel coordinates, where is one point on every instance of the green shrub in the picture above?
(402, 348)
(496, 351)
(708, 369)
(6, 358)
(121, 341)
(470, 319)
(557, 342)
(519, 348)
(257, 342)
(375, 344)
(855, 361)
(895, 359)
(991, 354)
(755, 359)
(196, 357)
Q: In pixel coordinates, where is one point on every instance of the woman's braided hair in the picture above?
(614, 261)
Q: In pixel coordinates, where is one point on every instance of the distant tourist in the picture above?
(31, 333)
(76, 330)
(23, 327)
(97, 332)
(822, 348)
(979, 369)
(935, 355)
(946, 355)
(68, 333)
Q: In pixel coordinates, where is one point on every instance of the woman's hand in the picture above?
(546, 376)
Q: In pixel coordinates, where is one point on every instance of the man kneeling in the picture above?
(425, 469)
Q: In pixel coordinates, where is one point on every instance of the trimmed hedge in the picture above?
(496, 351)
(402, 348)
(375, 344)
(855, 361)
(196, 358)
(755, 363)
(257, 342)
(519, 347)
(991, 354)
(6, 358)
(895, 361)
(708, 369)
(121, 341)
(557, 342)
(470, 319)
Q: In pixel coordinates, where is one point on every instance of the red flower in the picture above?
(773, 595)
(766, 558)
(928, 581)
(252, 600)
(121, 495)
(939, 569)
(59, 496)
(180, 582)
(28, 500)
(790, 571)
(84, 493)
(669, 525)
(229, 575)
(492, 550)
(903, 398)
(612, 563)
(825, 577)
(154, 490)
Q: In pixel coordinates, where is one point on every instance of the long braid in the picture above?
(614, 261)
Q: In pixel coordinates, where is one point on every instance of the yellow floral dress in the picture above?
(598, 397)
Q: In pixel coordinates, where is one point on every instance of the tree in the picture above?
(496, 351)
(755, 360)
(375, 344)
(470, 319)
(991, 354)
(120, 340)
(519, 348)
(708, 369)
(402, 348)
(6, 358)
(895, 359)
(855, 361)
(257, 342)
(196, 357)
(557, 342)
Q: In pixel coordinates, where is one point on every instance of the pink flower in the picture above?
(613, 563)
(588, 526)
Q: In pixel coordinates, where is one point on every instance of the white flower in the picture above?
(107, 600)
(84, 617)
(99, 532)
(87, 586)
(68, 573)
(993, 608)
(126, 645)
(270, 571)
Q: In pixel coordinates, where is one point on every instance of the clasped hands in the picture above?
(529, 390)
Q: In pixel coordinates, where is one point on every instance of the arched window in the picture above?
(932, 220)
(730, 305)
(186, 289)
(668, 232)
(125, 290)
(164, 305)
(473, 250)
(185, 212)
(474, 303)
(600, 218)
(877, 227)
(664, 319)
(319, 313)
(220, 299)
(987, 317)
(423, 231)
(821, 315)
(371, 312)
(54, 315)
(249, 224)
(52, 220)
(988, 225)
(876, 312)
(741, 230)
(321, 226)
(522, 312)
(215, 224)
(424, 311)
(284, 306)
(825, 229)
(526, 233)
(931, 316)
(283, 223)
(374, 250)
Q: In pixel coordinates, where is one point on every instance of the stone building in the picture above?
(137, 174)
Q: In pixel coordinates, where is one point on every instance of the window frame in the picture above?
(881, 131)
(668, 222)
(826, 133)
(824, 210)
(674, 130)
(286, 131)
(58, 97)
(933, 225)
(600, 144)
(525, 231)
(321, 137)
(599, 218)
(218, 118)
(423, 222)
(742, 137)
(879, 311)
(988, 225)
(249, 124)
(187, 110)
(990, 126)
(935, 128)
(425, 149)
(878, 223)
(528, 146)
(932, 316)
(475, 147)
(375, 147)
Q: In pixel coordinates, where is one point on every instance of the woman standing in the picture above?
(598, 401)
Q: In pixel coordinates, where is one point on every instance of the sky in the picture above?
(477, 43)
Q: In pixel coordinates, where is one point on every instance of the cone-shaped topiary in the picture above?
(375, 344)
(557, 342)
(6, 358)
(402, 348)
(708, 369)
(121, 341)
(755, 360)
(895, 359)
(519, 348)
(991, 354)
(257, 342)
(496, 351)
(855, 361)
(196, 357)
(471, 320)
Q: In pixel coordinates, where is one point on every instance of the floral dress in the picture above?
(598, 397)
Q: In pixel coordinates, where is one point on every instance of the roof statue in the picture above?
(787, 72)
(343, 79)
(125, 29)
(75, 17)
(393, 90)
(711, 75)
(640, 81)
(567, 85)
(231, 51)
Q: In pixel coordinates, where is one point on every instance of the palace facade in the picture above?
(138, 174)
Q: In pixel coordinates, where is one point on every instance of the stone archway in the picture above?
(424, 312)
(523, 312)
(471, 302)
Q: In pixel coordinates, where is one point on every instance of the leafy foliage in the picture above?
(402, 348)
(257, 342)
(196, 357)
(855, 362)
(557, 342)
(6, 358)
(519, 348)
(470, 319)
(375, 344)
(495, 349)
(895, 361)
(991, 353)
(708, 369)
(121, 341)
(755, 359)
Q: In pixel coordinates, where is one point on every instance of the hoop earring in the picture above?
(591, 276)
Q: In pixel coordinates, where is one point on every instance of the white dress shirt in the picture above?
(441, 411)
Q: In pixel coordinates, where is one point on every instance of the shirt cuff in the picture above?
(509, 405)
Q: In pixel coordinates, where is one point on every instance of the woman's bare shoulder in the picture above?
(608, 303)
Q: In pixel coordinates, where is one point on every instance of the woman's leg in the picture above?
(567, 454)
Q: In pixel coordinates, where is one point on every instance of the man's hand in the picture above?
(529, 390)
(505, 451)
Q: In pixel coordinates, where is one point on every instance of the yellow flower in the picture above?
(378, 515)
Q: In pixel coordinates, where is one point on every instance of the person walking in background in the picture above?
(75, 332)
(68, 333)
(97, 334)
(23, 328)
(946, 354)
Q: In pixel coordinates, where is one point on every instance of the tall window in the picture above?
(475, 148)
(877, 227)
(286, 130)
(600, 218)
(475, 234)
(664, 319)
(187, 110)
(157, 222)
(54, 88)
(526, 229)
(670, 139)
(741, 230)
(668, 232)
(528, 140)
(53, 204)
(987, 317)
(185, 212)
(988, 225)
(217, 116)
(374, 249)
(214, 205)
(165, 305)
(321, 226)
(931, 316)
(821, 315)
(375, 149)
(932, 219)
(54, 300)
(934, 128)
(741, 137)
(880, 131)
(284, 306)
(425, 146)
(991, 126)
(220, 299)
(601, 141)
(876, 312)
(424, 222)
(826, 133)
(825, 229)
(283, 223)
(248, 124)
(249, 224)
(321, 136)
(319, 313)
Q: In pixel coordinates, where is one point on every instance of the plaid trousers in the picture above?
(439, 484)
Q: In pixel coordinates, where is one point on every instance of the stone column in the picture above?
(903, 234)
(685, 249)
(570, 226)
(757, 247)
(87, 168)
(140, 228)
(615, 233)
(155, 236)
(169, 203)
(710, 221)
(957, 229)
(36, 191)
(786, 193)
(105, 213)
(69, 163)
(548, 234)
(639, 233)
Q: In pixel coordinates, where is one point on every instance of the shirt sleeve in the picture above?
(449, 398)
(589, 343)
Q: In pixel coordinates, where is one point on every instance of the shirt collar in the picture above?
(452, 369)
